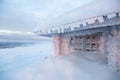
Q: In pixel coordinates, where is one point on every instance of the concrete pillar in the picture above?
(70, 44)
(111, 53)
(103, 46)
(116, 31)
(103, 41)
(117, 53)
(64, 45)
(56, 45)
(113, 49)
(61, 45)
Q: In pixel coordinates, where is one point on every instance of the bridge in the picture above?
(95, 35)
(100, 21)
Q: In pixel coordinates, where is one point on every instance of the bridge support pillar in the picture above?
(61, 45)
(109, 45)
(113, 48)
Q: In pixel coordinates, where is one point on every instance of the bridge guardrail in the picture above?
(96, 21)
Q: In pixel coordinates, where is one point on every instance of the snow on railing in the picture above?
(80, 24)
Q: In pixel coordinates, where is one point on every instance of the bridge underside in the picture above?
(104, 41)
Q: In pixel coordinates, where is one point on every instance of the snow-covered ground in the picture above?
(13, 60)
(69, 67)
(35, 62)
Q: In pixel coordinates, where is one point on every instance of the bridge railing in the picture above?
(81, 24)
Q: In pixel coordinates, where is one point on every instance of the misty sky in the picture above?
(27, 15)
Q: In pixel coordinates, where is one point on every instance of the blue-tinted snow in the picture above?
(13, 60)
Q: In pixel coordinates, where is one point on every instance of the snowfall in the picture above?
(36, 62)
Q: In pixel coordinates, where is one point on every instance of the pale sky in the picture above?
(27, 15)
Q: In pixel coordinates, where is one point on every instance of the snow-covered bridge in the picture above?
(105, 20)
(96, 32)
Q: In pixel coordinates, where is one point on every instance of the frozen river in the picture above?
(14, 60)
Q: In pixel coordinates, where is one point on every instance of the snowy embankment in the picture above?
(69, 67)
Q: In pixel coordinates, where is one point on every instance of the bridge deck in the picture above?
(90, 23)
